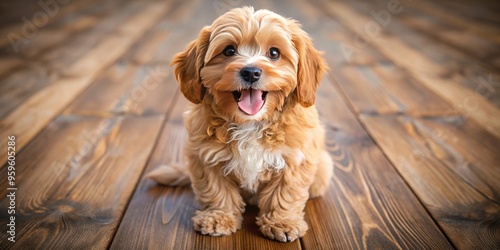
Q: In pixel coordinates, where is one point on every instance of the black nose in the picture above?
(250, 74)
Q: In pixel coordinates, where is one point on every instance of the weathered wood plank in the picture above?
(422, 69)
(483, 30)
(127, 88)
(32, 115)
(43, 41)
(74, 180)
(364, 90)
(478, 48)
(139, 83)
(36, 75)
(57, 11)
(369, 204)
(153, 48)
(459, 165)
(129, 24)
(72, 27)
(8, 63)
(19, 10)
(92, 13)
(451, 189)
(477, 162)
(464, 68)
(482, 11)
(385, 89)
(19, 86)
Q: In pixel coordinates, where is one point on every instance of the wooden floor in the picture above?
(411, 106)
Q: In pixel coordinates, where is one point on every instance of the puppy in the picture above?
(254, 132)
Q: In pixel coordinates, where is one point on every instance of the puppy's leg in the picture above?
(282, 203)
(221, 203)
(322, 177)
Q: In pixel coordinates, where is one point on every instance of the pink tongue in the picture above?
(251, 101)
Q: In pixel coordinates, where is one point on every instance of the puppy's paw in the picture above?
(216, 222)
(283, 229)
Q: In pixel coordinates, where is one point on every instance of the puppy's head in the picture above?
(251, 64)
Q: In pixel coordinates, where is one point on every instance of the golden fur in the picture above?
(275, 158)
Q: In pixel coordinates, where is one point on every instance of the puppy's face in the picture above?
(251, 64)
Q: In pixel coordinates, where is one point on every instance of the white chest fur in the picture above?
(245, 156)
(249, 156)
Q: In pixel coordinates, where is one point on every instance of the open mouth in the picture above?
(250, 101)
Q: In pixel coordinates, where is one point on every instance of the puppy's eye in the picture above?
(229, 51)
(273, 53)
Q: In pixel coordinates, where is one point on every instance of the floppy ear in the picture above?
(188, 65)
(311, 66)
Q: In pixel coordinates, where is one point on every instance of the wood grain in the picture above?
(467, 149)
(422, 69)
(412, 118)
(156, 45)
(467, 215)
(33, 114)
(484, 12)
(74, 181)
(484, 50)
(128, 88)
(18, 12)
(460, 66)
(61, 31)
(368, 204)
(477, 189)
(385, 89)
(36, 74)
(8, 63)
(33, 79)
(482, 30)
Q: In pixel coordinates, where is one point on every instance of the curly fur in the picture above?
(276, 157)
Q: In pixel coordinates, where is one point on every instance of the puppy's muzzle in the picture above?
(250, 74)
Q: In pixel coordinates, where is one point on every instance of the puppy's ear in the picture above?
(311, 66)
(188, 65)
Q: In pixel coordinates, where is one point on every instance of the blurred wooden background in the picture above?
(411, 105)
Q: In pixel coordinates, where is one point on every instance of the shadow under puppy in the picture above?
(254, 132)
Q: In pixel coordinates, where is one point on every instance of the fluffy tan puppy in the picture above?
(254, 132)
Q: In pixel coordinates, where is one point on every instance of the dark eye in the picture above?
(229, 51)
(273, 53)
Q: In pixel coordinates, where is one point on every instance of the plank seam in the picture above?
(167, 117)
(335, 84)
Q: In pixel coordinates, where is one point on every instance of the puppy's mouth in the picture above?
(250, 101)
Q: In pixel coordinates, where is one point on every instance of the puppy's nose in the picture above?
(250, 74)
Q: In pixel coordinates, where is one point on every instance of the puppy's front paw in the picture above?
(216, 222)
(283, 229)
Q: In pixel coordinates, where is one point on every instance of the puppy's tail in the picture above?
(170, 175)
